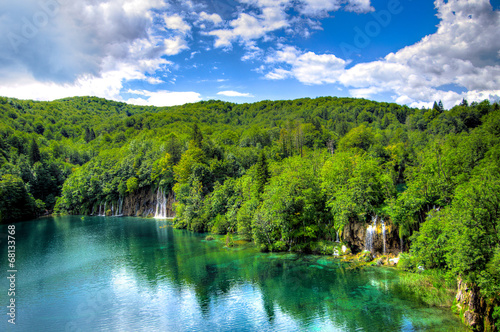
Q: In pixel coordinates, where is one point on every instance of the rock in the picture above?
(365, 256)
(475, 311)
(394, 261)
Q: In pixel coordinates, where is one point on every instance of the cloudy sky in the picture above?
(167, 52)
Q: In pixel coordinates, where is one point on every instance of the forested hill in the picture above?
(287, 175)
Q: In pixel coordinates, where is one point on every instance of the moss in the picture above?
(365, 256)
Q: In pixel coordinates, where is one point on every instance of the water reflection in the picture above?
(136, 274)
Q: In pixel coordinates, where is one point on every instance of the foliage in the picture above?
(288, 174)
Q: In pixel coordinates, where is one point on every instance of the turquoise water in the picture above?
(133, 274)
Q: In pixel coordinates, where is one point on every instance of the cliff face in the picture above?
(142, 203)
(362, 236)
(475, 311)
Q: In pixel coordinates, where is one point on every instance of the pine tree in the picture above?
(441, 107)
(34, 152)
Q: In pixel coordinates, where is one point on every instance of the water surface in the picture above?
(133, 274)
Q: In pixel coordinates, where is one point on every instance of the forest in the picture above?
(286, 175)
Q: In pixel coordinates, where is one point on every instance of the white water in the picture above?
(161, 205)
(119, 211)
(371, 231)
(383, 233)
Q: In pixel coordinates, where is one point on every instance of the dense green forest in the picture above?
(288, 175)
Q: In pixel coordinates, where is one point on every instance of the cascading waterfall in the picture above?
(338, 240)
(119, 207)
(161, 204)
(383, 233)
(371, 231)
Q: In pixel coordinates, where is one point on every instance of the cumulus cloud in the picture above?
(59, 41)
(234, 94)
(176, 22)
(249, 27)
(55, 48)
(308, 68)
(214, 18)
(175, 45)
(272, 15)
(322, 7)
(464, 52)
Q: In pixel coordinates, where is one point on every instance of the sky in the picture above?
(169, 52)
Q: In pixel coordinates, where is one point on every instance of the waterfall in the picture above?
(161, 204)
(383, 233)
(112, 209)
(371, 231)
(119, 208)
(338, 240)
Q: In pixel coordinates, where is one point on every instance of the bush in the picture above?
(407, 262)
(279, 246)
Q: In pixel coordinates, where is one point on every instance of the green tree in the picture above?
(261, 172)
(34, 152)
(15, 201)
(197, 136)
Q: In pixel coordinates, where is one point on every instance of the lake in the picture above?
(134, 274)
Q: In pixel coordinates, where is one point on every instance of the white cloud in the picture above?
(464, 52)
(175, 45)
(308, 68)
(176, 22)
(248, 27)
(88, 47)
(278, 74)
(214, 18)
(164, 98)
(322, 7)
(234, 94)
(154, 80)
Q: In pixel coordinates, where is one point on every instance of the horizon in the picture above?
(167, 53)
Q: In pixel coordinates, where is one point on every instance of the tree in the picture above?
(15, 201)
(132, 184)
(34, 152)
(197, 136)
(261, 173)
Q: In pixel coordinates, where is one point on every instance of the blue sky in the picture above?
(165, 52)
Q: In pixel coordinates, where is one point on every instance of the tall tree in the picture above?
(34, 152)
(262, 172)
(197, 136)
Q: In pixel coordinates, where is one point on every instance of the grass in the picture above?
(430, 287)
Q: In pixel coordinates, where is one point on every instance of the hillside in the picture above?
(287, 175)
